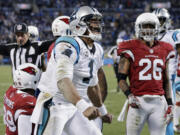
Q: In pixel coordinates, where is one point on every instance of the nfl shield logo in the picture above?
(19, 27)
(30, 60)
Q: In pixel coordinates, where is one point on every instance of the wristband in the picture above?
(122, 76)
(82, 105)
(169, 101)
(103, 110)
(127, 92)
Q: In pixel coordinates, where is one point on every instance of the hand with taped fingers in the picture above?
(91, 113)
(133, 101)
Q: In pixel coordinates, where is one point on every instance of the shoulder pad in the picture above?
(71, 41)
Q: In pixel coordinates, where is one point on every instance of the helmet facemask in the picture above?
(165, 23)
(94, 27)
(148, 31)
(87, 22)
(164, 19)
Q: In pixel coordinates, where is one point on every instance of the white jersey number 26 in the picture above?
(153, 66)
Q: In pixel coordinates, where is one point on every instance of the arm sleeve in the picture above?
(4, 50)
(24, 125)
(44, 46)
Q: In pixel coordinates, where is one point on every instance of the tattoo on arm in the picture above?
(123, 67)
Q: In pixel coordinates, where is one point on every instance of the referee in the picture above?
(24, 51)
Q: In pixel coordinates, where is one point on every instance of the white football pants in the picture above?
(67, 120)
(152, 111)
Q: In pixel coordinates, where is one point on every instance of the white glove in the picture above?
(133, 101)
(169, 114)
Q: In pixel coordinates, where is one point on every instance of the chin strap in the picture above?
(95, 37)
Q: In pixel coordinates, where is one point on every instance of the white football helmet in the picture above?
(164, 18)
(27, 76)
(87, 22)
(147, 34)
(60, 26)
(33, 33)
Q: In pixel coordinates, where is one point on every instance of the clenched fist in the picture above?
(91, 113)
(107, 118)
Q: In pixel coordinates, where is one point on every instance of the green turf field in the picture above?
(5, 82)
(114, 101)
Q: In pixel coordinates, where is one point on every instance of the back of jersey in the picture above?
(16, 103)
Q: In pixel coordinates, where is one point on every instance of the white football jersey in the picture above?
(86, 65)
(171, 37)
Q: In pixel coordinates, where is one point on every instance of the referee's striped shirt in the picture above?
(28, 53)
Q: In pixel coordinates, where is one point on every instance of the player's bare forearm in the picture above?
(123, 85)
(167, 85)
(124, 65)
(123, 68)
(94, 95)
(102, 84)
(66, 86)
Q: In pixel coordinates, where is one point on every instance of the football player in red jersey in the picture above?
(145, 61)
(60, 27)
(19, 101)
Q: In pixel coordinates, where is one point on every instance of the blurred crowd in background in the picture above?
(119, 15)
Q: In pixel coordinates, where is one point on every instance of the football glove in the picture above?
(169, 114)
(133, 101)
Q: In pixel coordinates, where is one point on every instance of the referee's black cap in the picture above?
(20, 27)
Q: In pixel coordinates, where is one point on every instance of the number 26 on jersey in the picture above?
(152, 66)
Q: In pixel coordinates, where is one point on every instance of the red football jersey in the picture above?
(49, 51)
(146, 65)
(178, 69)
(16, 103)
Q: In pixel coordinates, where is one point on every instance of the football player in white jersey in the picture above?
(72, 79)
(176, 125)
(169, 36)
